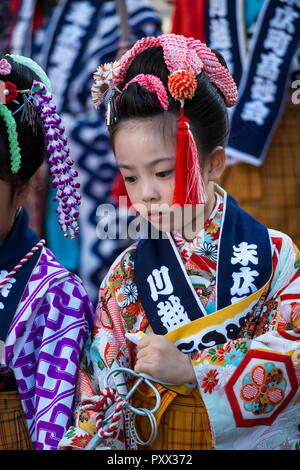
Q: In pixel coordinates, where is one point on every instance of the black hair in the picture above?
(207, 110)
(31, 142)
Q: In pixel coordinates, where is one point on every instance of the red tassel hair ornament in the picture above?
(189, 186)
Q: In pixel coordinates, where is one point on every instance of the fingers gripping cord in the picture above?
(107, 426)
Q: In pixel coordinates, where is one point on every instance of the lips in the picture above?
(155, 215)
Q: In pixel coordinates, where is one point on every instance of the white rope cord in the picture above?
(107, 426)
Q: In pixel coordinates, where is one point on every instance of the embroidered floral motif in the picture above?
(229, 353)
(129, 320)
(213, 228)
(235, 356)
(81, 441)
(127, 294)
(263, 388)
(209, 250)
(130, 294)
(225, 374)
(242, 346)
(217, 354)
(117, 281)
(120, 285)
(267, 317)
(209, 381)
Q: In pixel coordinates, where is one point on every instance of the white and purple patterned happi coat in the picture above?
(44, 345)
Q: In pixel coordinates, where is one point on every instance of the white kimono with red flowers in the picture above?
(249, 384)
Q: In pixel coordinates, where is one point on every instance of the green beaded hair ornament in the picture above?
(14, 148)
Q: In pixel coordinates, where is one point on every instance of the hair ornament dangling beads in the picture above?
(63, 176)
(182, 85)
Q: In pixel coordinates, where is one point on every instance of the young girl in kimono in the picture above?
(212, 316)
(45, 312)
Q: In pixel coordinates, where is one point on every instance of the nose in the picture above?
(150, 192)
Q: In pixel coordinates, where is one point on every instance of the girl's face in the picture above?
(147, 160)
(147, 163)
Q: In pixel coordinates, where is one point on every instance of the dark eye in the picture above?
(130, 179)
(164, 174)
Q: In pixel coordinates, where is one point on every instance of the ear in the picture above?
(216, 164)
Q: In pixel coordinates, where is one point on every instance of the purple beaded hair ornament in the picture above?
(37, 102)
(63, 176)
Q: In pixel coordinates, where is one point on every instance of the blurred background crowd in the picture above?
(69, 39)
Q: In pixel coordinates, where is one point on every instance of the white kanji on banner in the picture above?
(172, 313)
(160, 283)
(244, 254)
(244, 282)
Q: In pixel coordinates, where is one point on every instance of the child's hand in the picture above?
(157, 356)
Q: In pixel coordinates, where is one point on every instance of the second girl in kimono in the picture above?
(45, 311)
(210, 307)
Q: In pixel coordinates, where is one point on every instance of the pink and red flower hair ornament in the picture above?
(8, 92)
(5, 67)
(185, 59)
(38, 101)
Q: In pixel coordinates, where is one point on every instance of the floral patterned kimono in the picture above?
(244, 351)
